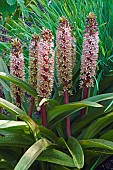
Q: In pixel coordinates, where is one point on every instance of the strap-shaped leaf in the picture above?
(89, 117)
(11, 107)
(97, 126)
(57, 157)
(48, 134)
(100, 97)
(32, 125)
(59, 113)
(75, 150)
(5, 83)
(5, 165)
(22, 115)
(97, 143)
(19, 82)
(31, 154)
(108, 135)
(8, 138)
(14, 125)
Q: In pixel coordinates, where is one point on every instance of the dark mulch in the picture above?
(106, 165)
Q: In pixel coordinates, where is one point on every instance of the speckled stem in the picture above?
(84, 96)
(31, 107)
(68, 126)
(43, 113)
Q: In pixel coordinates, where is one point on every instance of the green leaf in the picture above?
(11, 2)
(59, 113)
(100, 97)
(32, 125)
(6, 9)
(23, 8)
(22, 115)
(76, 151)
(5, 165)
(5, 84)
(19, 82)
(97, 143)
(12, 124)
(108, 135)
(4, 117)
(3, 67)
(4, 46)
(109, 108)
(90, 116)
(48, 133)
(57, 157)
(98, 125)
(10, 153)
(31, 154)
(8, 138)
(10, 107)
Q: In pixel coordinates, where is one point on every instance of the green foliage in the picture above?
(20, 83)
(7, 5)
(31, 154)
(10, 135)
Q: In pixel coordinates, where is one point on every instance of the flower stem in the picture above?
(31, 107)
(84, 96)
(44, 117)
(18, 103)
(68, 126)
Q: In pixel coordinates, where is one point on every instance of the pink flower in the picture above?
(45, 66)
(90, 52)
(64, 55)
(33, 59)
(16, 68)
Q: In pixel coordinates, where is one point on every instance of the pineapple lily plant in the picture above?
(64, 136)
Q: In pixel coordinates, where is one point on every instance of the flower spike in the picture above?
(64, 61)
(33, 59)
(17, 69)
(89, 56)
(45, 76)
(90, 52)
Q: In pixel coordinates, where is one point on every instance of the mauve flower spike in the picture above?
(90, 52)
(17, 69)
(33, 59)
(45, 66)
(45, 76)
(89, 56)
(64, 54)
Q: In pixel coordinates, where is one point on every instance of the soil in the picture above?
(106, 165)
